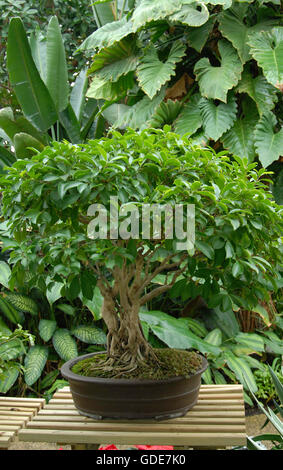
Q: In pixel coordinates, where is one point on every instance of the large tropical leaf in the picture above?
(77, 96)
(24, 143)
(166, 113)
(11, 349)
(103, 12)
(71, 124)
(89, 334)
(217, 119)
(152, 10)
(110, 91)
(194, 14)
(31, 92)
(269, 144)
(56, 66)
(8, 378)
(197, 37)
(46, 329)
(13, 126)
(112, 62)
(251, 340)
(35, 361)
(37, 44)
(241, 369)
(267, 50)
(115, 113)
(5, 273)
(152, 73)
(234, 27)
(258, 88)
(22, 303)
(138, 114)
(108, 34)
(190, 119)
(6, 158)
(173, 333)
(11, 313)
(215, 82)
(64, 344)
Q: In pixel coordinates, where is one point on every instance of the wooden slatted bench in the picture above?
(15, 413)
(216, 421)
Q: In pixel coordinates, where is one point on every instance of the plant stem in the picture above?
(95, 15)
(53, 133)
(122, 10)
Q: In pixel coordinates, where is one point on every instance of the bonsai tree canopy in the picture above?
(62, 208)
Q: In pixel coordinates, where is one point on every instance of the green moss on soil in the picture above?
(173, 363)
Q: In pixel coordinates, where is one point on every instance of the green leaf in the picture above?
(37, 44)
(233, 26)
(4, 329)
(205, 248)
(5, 273)
(277, 384)
(251, 340)
(166, 113)
(112, 62)
(241, 369)
(24, 143)
(214, 337)
(108, 34)
(267, 50)
(153, 10)
(258, 88)
(8, 378)
(195, 14)
(46, 329)
(78, 94)
(71, 124)
(172, 332)
(89, 334)
(28, 86)
(115, 113)
(35, 361)
(11, 349)
(88, 283)
(190, 119)
(22, 303)
(217, 119)
(6, 158)
(197, 37)
(54, 292)
(214, 82)
(103, 12)
(152, 73)
(239, 139)
(66, 308)
(64, 344)
(10, 312)
(268, 143)
(56, 66)
(95, 304)
(102, 89)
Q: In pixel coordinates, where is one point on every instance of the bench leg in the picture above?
(84, 446)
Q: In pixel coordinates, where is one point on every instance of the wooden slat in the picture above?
(218, 419)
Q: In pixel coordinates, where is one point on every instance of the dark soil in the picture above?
(171, 363)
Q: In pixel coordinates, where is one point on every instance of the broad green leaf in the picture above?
(5, 273)
(10, 312)
(103, 12)
(6, 158)
(77, 96)
(138, 114)
(277, 384)
(152, 73)
(24, 145)
(190, 119)
(71, 124)
(258, 88)
(195, 326)
(267, 50)
(108, 34)
(64, 344)
(37, 44)
(153, 10)
(195, 14)
(207, 376)
(13, 126)
(56, 66)
(94, 305)
(11, 349)
(112, 62)
(263, 313)
(172, 333)
(106, 90)
(89, 334)
(251, 340)
(217, 119)
(8, 378)
(268, 143)
(115, 113)
(35, 361)
(214, 337)
(234, 27)
(22, 303)
(54, 293)
(166, 113)
(241, 369)
(226, 321)
(46, 329)
(197, 37)
(88, 283)
(28, 86)
(215, 82)
(218, 377)
(66, 308)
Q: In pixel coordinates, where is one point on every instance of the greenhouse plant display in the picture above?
(117, 212)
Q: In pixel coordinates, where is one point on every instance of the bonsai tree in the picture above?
(119, 211)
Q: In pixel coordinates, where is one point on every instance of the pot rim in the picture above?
(69, 375)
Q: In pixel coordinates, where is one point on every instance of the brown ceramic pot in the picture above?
(101, 398)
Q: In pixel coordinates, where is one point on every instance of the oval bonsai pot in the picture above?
(100, 398)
